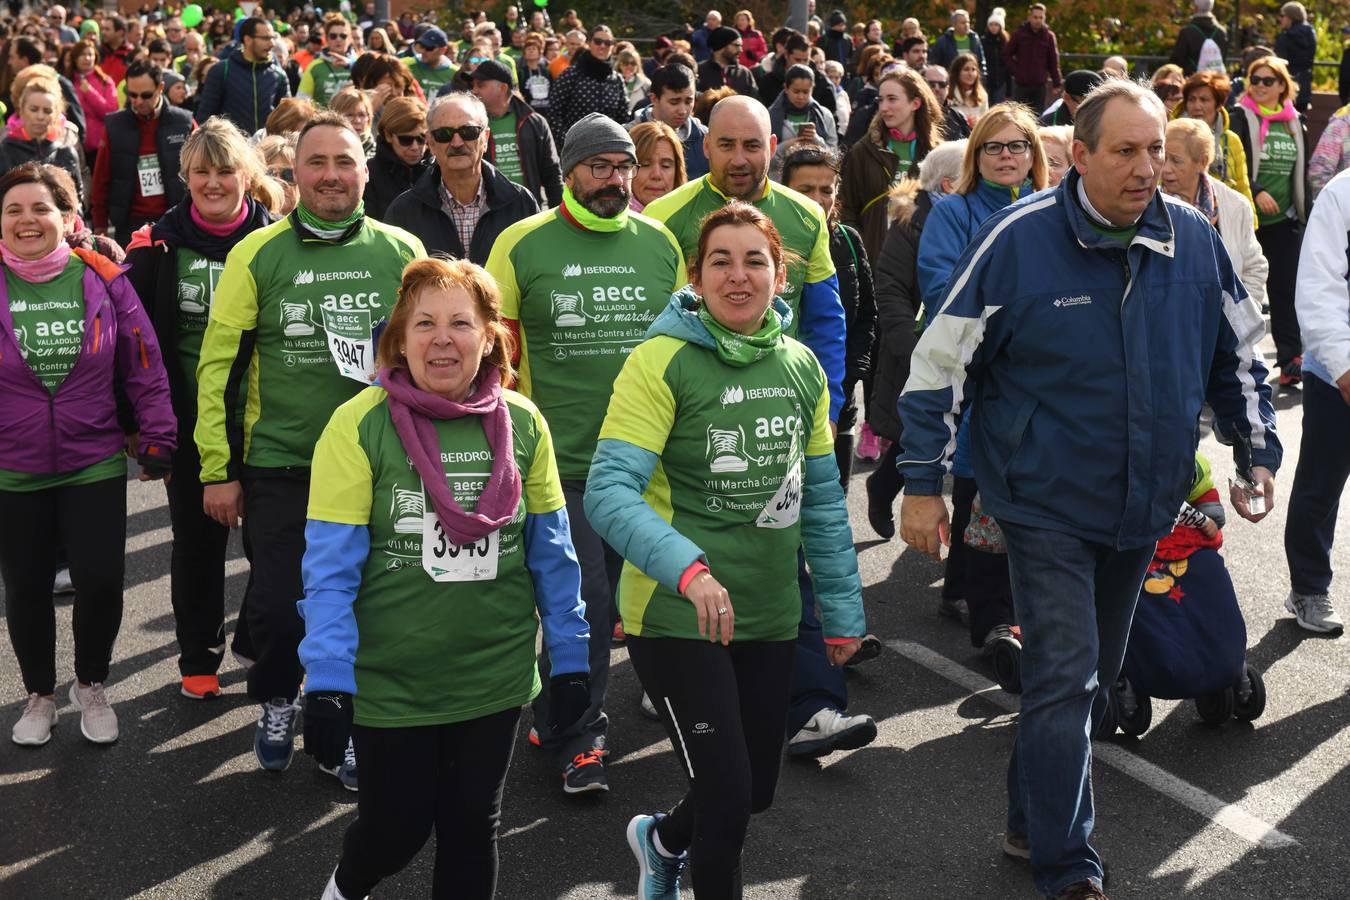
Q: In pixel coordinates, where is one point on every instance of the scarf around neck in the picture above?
(583, 218)
(414, 412)
(1266, 114)
(42, 269)
(736, 349)
(330, 231)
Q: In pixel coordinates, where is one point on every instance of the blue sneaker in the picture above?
(345, 773)
(274, 738)
(658, 876)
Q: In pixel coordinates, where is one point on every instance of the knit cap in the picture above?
(595, 133)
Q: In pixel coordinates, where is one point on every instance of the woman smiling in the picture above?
(72, 337)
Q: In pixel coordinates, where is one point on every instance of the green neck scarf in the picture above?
(582, 217)
(329, 231)
(1269, 110)
(1014, 190)
(737, 349)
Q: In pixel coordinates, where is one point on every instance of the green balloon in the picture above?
(192, 15)
(541, 3)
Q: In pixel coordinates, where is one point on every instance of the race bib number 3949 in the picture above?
(445, 561)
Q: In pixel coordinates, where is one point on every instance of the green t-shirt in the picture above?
(793, 122)
(1278, 156)
(49, 329)
(506, 152)
(962, 43)
(197, 278)
(322, 80)
(731, 442)
(435, 651)
(584, 300)
(310, 305)
(49, 322)
(431, 79)
(799, 221)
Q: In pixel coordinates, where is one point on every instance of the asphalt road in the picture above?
(178, 808)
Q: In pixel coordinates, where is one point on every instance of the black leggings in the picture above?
(90, 522)
(197, 567)
(980, 578)
(1280, 243)
(449, 777)
(725, 709)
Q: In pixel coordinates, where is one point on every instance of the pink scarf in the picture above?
(219, 230)
(413, 410)
(897, 136)
(1286, 114)
(36, 271)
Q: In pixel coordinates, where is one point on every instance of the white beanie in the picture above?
(999, 16)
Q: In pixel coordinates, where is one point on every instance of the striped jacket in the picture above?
(1088, 363)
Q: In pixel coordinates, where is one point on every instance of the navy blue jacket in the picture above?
(1088, 363)
(242, 91)
(944, 51)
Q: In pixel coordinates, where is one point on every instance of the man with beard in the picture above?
(460, 205)
(739, 145)
(580, 284)
(292, 321)
(724, 68)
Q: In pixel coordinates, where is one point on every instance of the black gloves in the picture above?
(569, 698)
(328, 726)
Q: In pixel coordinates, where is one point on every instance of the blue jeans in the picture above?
(1074, 600)
(816, 684)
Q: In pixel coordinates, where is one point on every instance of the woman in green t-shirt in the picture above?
(437, 539)
(1274, 137)
(715, 466)
(74, 342)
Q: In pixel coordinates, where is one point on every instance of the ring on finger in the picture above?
(722, 611)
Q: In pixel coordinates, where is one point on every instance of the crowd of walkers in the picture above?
(482, 330)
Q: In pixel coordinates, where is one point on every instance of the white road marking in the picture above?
(1227, 815)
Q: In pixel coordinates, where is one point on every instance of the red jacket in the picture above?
(1032, 56)
(114, 62)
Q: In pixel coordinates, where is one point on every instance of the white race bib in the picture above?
(785, 506)
(350, 343)
(445, 561)
(151, 176)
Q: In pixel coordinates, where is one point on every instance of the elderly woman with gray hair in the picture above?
(1297, 45)
(899, 302)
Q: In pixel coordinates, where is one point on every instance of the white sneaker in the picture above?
(63, 584)
(830, 730)
(648, 708)
(331, 892)
(34, 727)
(98, 722)
(1314, 613)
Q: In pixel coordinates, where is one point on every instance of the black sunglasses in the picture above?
(408, 140)
(1267, 80)
(137, 95)
(466, 133)
(286, 175)
(937, 84)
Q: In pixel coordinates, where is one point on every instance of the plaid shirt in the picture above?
(464, 215)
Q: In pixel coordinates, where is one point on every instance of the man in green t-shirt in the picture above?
(332, 71)
(521, 143)
(580, 286)
(431, 68)
(293, 318)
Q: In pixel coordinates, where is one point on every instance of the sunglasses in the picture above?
(410, 140)
(286, 175)
(476, 60)
(467, 133)
(937, 84)
(1267, 80)
(137, 95)
(602, 42)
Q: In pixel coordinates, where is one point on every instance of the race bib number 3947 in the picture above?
(445, 561)
(350, 342)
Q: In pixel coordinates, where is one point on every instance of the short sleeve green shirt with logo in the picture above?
(296, 314)
(799, 220)
(506, 148)
(583, 299)
(431, 79)
(431, 652)
(49, 329)
(732, 441)
(1279, 154)
(322, 80)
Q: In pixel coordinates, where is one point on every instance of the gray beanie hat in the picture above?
(594, 133)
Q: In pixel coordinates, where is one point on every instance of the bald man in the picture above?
(739, 146)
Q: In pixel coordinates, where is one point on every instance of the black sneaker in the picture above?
(585, 773)
(880, 514)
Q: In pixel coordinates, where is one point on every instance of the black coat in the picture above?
(588, 85)
(419, 211)
(996, 70)
(898, 304)
(711, 76)
(17, 151)
(389, 177)
(860, 306)
(1186, 52)
(771, 85)
(537, 153)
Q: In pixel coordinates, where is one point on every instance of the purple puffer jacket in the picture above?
(47, 434)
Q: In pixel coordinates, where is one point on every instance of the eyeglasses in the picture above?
(938, 85)
(603, 170)
(467, 133)
(476, 60)
(602, 42)
(1267, 80)
(409, 140)
(286, 175)
(137, 95)
(996, 148)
